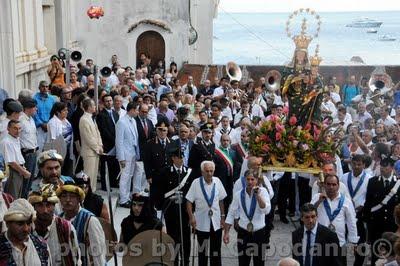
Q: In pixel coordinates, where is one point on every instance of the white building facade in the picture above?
(32, 30)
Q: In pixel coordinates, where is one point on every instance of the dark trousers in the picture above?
(67, 168)
(362, 233)
(304, 190)
(246, 245)
(173, 230)
(286, 194)
(30, 164)
(274, 200)
(113, 171)
(209, 241)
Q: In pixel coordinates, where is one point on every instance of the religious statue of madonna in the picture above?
(302, 83)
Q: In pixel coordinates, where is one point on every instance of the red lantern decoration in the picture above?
(95, 12)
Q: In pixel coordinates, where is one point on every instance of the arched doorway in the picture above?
(152, 44)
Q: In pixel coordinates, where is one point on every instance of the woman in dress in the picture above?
(74, 83)
(59, 126)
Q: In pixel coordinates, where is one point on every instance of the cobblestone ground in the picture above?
(280, 239)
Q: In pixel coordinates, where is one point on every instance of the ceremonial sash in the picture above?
(358, 186)
(171, 192)
(332, 215)
(252, 204)
(209, 200)
(64, 234)
(226, 158)
(392, 192)
(242, 150)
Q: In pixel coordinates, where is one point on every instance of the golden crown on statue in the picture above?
(315, 60)
(303, 40)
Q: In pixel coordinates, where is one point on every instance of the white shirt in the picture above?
(10, 147)
(3, 209)
(28, 134)
(236, 208)
(218, 92)
(335, 97)
(313, 235)
(227, 112)
(28, 257)
(329, 107)
(195, 195)
(3, 127)
(52, 240)
(346, 216)
(359, 197)
(388, 121)
(121, 112)
(256, 110)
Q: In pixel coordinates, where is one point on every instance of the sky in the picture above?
(317, 5)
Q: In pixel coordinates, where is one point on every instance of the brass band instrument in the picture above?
(233, 71)
(273, 80)
(379, 80)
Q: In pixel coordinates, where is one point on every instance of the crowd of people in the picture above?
(183, 151)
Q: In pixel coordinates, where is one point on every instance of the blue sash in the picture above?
(252, 204)
(211, 199)
(358, 186)
(335, 213)
(243, 180)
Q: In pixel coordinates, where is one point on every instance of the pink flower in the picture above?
(286, 110)
(279, 128)
(292, 121)
(307, 127)
(278, 136)
(273, 118)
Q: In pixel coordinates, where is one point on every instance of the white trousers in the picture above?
(139, 180)
(126, 180)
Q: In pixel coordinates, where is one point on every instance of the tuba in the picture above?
(273, 80)
(233, 71)
(379, 80)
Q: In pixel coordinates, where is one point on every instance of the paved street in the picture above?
(280, 242)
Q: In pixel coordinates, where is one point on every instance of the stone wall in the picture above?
(255, 72)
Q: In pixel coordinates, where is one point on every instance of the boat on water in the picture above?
(372, 30)
(365, 23)
(387, 38)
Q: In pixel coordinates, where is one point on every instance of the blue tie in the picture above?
(307, 260)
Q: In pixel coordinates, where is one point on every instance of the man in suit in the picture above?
(163, 195)
(242, 150)
(225, 160)
(155, 154)
(183, 142)
(92, 146)
(311, 240)
(146, 132)
(127, 150)
(382, 196)
(106, 121)
(202, 150)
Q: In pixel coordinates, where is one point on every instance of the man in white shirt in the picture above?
(220, 91)
(10, 147)
(362, 114)
(207, 192)
(357, 182)
(249, 205)
(18, 246)
(29, 143)
(57, 232)
(385, 118)
(89, 231)
(189, 87)
(223, 128)
(336, 212)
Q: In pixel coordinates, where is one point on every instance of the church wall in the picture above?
(99, 39)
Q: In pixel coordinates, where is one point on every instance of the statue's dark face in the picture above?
(300, 57)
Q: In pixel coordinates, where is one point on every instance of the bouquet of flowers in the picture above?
(285, 144)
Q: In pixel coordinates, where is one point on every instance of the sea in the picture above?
(261, 39)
